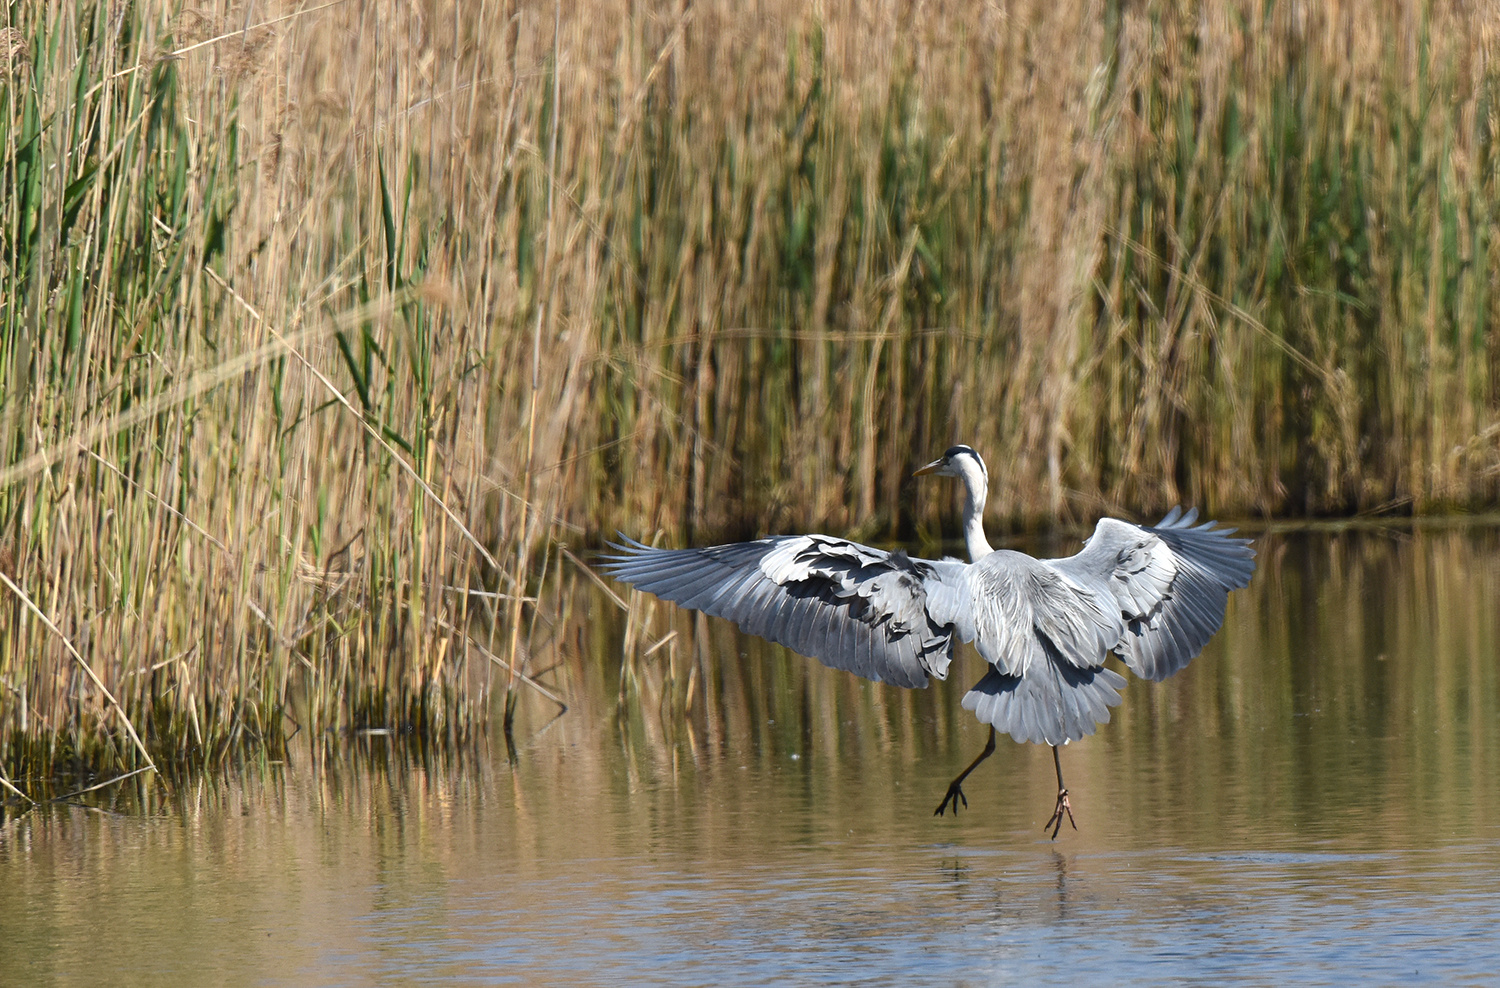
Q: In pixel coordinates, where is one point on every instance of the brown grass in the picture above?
(276, 281)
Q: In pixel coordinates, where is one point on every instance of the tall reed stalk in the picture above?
(322, 324)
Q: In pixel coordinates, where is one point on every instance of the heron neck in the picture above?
(974, 539)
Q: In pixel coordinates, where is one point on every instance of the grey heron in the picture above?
(1152, 595)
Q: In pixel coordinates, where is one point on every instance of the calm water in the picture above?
(1315, 799)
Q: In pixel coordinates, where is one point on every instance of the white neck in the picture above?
(975, 494)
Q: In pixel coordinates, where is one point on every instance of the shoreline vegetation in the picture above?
(326, 327)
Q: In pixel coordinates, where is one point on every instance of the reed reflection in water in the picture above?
(1316, 797)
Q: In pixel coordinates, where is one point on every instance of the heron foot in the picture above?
(1063, 806)
(955, 795)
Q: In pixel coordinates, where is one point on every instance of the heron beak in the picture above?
(929, 468)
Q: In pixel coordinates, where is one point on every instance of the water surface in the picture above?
(1316, 798)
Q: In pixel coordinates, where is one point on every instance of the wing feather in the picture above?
(848, 605)
(1171, 583)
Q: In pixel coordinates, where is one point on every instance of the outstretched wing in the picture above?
(847, 605)
(1170, 583)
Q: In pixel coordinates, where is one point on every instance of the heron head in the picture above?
(955, 462)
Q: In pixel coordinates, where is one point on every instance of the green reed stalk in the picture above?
(307, 323)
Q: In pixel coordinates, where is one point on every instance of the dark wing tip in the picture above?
(1215, 551)
(625, 548)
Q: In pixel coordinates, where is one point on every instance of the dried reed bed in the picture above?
(324, 323)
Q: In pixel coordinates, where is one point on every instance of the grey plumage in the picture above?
(848, 605)
(1152, 595)
(1062, 703)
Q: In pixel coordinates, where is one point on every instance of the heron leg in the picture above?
(1063, 806)
(955, 788)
